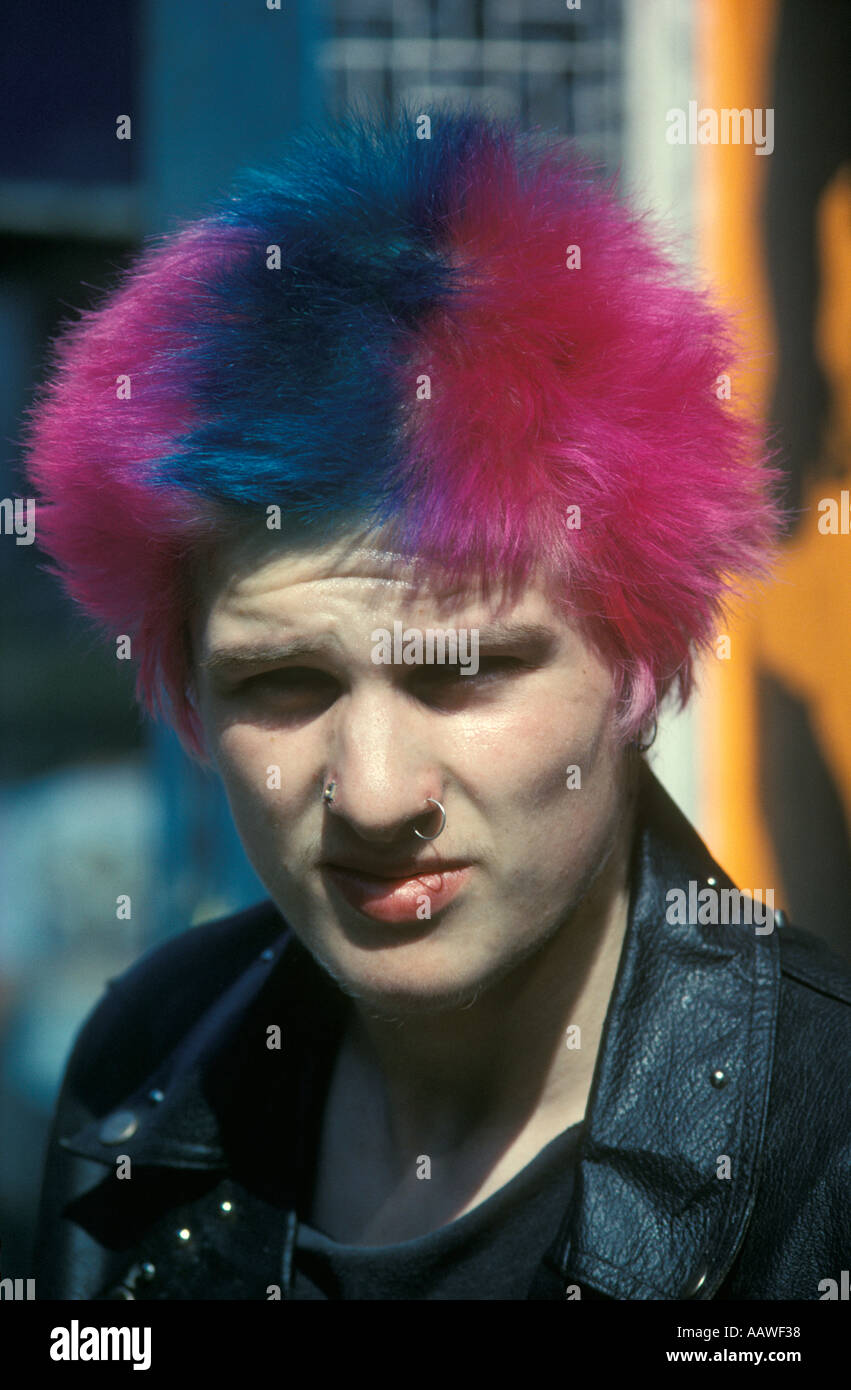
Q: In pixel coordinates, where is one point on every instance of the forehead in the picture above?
(253, 577)
(252, 570)
(259, 598)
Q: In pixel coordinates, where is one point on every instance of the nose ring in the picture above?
(442, 823)
(330, 792)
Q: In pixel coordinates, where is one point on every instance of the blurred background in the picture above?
(96, 804)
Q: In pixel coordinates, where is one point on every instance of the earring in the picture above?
(329, 793)
(643, 745)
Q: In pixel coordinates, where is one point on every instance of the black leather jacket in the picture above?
(718, 1041)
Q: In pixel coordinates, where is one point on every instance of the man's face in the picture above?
(291, 697)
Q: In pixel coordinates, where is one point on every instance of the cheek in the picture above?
(556, 775)
(260, 787)
(563, 735)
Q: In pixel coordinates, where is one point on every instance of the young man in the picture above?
(404, 471)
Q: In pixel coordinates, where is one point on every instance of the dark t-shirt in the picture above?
(492, 1251)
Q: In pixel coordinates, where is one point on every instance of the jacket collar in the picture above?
(682, 1080)
(650, 1218)
(223, 1095)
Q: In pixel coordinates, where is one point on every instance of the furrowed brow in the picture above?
(494, 635)
(259, 654)
(508, 635)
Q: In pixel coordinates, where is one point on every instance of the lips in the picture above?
(409, 895)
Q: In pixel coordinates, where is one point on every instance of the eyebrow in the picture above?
(493, 636)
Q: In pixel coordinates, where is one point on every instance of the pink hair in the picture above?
(568, 362)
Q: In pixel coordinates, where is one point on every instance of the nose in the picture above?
(384, 771)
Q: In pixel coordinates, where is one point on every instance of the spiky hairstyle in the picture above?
(427, 354)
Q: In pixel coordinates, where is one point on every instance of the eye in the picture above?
(488, 665)
(290, 684)
(301, 691)
(455, 682)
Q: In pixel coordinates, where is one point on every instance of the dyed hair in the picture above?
(428, 355)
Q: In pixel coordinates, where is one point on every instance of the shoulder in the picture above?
(146, 1010)
(806, 959)
(199, 961)
(812, 1064)
(800, 1225)
(814, 1019)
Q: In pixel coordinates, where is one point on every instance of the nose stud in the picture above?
(442, 823)
(330, 791)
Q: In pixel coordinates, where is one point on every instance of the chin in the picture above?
(391, 987)
(396, 1003)
(398, 983)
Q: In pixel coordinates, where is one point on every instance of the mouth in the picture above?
(406, 894)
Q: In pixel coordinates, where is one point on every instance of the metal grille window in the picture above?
(536, 59)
